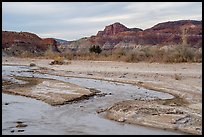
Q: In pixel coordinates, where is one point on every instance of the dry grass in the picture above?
(169, 54)
(49, 54)
(175, 54)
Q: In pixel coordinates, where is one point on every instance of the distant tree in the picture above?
(95, 49)
(92, 49)
(98, 50)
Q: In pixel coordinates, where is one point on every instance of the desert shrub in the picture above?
(95, 49)
(168, 58)
(198, 56)
(51, 55)
(69, 55)
(119, 51)
(26, 54)
(147, 52)
(117, 54)
(180, 54)
(158, 55)
(58, 61)
(131, 58)
(187, 54)
(135, 56)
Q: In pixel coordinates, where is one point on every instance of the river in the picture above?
(76, 118)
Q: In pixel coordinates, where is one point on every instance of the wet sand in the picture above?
(50, 91)
(182, 80)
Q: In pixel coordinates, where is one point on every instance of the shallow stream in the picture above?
(76, 118)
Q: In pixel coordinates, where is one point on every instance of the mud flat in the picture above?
(50, 91)
(183, 81)
(156, 114)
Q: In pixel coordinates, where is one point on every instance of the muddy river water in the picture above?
(75, 118)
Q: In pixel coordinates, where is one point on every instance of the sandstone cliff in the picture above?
(16, 43)
(166, 33)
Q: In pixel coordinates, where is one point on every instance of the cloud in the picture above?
(73, 20)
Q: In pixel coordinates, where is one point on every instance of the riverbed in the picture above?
(75, 118)
(156, 95)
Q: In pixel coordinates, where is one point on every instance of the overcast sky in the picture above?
(74, 20)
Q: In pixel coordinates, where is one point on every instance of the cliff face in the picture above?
(166, 33)
(192, 27)
(113, 36)
(52, 43)
(115, 29)
(19, 42)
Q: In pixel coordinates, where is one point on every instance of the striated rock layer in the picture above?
(188, 32)
(15, 43)
(167, 33)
